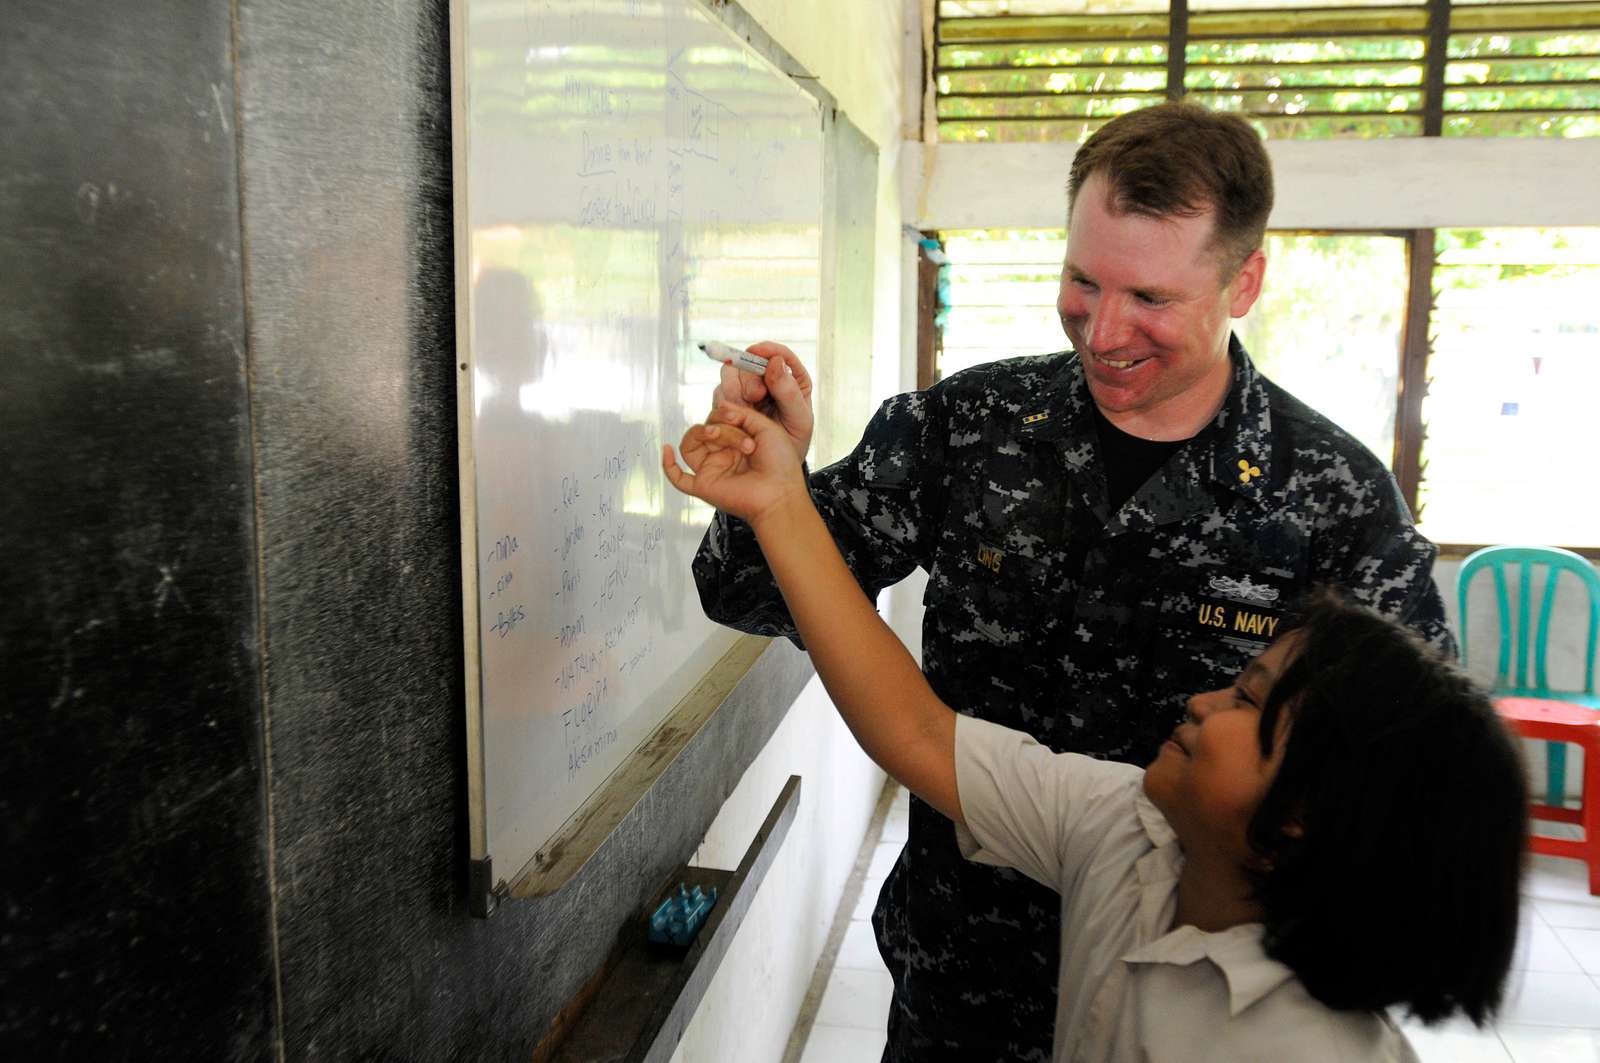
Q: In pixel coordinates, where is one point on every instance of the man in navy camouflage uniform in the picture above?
(1106, 531)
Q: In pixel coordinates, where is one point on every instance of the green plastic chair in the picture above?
(1521, 668)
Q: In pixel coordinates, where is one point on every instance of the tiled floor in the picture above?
(1552, 1014)
(849, 1025)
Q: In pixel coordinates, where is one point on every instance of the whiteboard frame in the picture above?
(483, 887)
(596, 818)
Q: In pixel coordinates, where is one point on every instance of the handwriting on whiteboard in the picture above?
(592, 580)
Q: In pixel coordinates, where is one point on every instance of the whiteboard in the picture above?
(630, 178)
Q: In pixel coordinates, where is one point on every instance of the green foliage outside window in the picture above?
(1514, 373)
(1328, 327)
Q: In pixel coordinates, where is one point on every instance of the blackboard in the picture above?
(630, 178)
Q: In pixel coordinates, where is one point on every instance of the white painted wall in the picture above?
(1345, 184)
(857, 50)
(753, 1000)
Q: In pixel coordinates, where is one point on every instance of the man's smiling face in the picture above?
(1144, 303)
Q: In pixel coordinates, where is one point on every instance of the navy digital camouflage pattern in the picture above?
(1085, 628)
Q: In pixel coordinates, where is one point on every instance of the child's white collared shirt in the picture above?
(1130, 988)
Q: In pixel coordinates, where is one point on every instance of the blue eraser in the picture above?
(678, 918)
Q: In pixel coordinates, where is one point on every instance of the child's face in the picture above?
(1210, 776)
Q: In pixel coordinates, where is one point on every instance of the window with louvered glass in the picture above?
(1029, 70)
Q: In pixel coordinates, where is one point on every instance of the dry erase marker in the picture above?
(723, 354)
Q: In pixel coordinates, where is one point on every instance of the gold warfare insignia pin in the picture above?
(1247, 472)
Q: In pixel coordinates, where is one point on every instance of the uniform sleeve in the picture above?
(883, 503)
(1374, 551)
(1028, 808)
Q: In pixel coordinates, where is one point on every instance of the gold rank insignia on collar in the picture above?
(1247, 472)
(1033, 420)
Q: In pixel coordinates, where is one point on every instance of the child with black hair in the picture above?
(1339, 832)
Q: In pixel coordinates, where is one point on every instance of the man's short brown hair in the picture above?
(1179, 160)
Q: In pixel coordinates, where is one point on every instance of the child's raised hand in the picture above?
(744, 463)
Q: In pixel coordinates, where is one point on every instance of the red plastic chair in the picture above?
(1556, 721)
